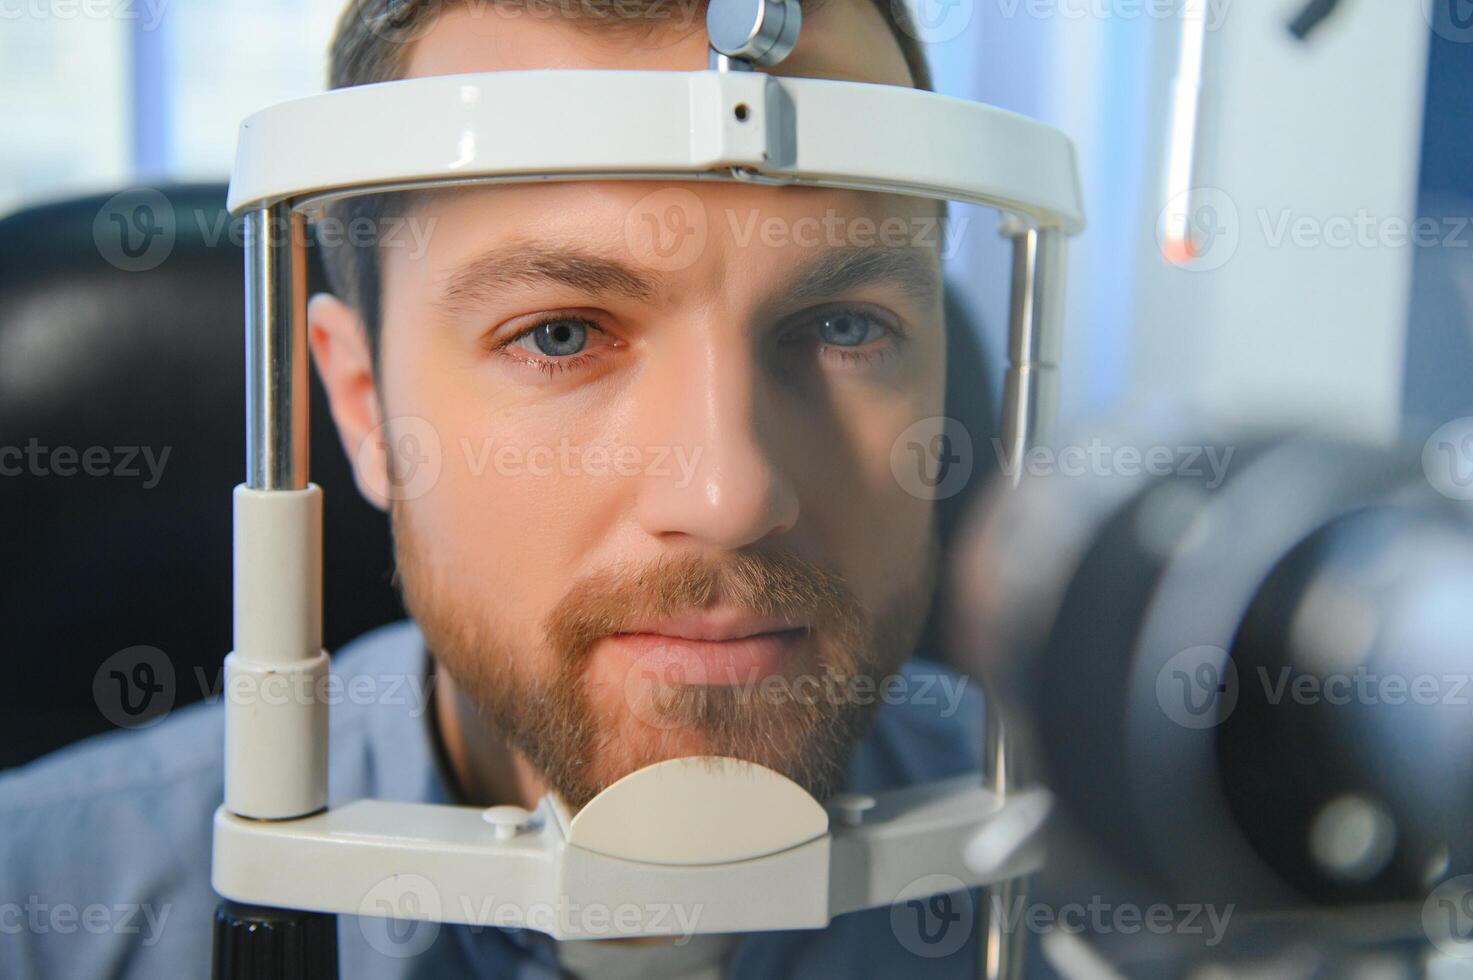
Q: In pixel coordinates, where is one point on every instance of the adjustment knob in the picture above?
(753, 32)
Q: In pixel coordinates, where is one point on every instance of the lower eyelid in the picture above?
(868, 352)
(549, 366)
(543, 363)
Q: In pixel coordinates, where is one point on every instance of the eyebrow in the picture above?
(836, 271)
(840, 270)
(538, 264)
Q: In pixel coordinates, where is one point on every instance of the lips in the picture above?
(708, 647)
(716, 626)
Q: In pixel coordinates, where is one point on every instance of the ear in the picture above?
(340, 350)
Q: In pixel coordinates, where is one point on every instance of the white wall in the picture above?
(1322, 132)
(1317, 136)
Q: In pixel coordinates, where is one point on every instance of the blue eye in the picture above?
(556, 338)
(848, 328)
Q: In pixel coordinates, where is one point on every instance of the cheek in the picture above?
(877, 523)
(511, 509)
(880, 421)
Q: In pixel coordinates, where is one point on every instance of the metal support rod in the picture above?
(1004, 953)
(1035, 328)
(276, 349)
(1030, 406)
(721, 62)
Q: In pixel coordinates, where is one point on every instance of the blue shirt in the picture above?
(105, 848)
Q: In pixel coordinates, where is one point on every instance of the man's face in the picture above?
(640, 437)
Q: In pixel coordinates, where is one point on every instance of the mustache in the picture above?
(620, 597)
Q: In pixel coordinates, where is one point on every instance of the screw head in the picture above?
(851, 807)
(508, 820)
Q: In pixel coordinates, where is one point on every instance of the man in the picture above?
(637, 444)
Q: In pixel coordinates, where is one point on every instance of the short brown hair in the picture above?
(371, 44)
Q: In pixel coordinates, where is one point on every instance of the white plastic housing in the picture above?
(275, 737)
(446, 864)
(676, 125)
(278, 574)
(275, 711)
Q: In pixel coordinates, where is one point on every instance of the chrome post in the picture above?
(276, 349)
(1029, 411)
(1035, 329)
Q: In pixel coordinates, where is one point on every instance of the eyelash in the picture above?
(554, 366)
(549, 366)
(886, 347)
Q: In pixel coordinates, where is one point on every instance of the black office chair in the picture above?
(108, 347)
(118, 334)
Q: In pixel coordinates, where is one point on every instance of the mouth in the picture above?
(712, 647)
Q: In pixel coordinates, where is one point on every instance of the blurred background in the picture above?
(114, 94)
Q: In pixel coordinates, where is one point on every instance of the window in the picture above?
(101, 94)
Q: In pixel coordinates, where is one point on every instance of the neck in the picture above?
(487, 771)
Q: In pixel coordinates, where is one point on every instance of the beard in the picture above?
(581, 735)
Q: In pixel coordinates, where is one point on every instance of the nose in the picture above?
(726, 486)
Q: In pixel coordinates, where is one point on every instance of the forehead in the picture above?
(678, 239)
(840, 39)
